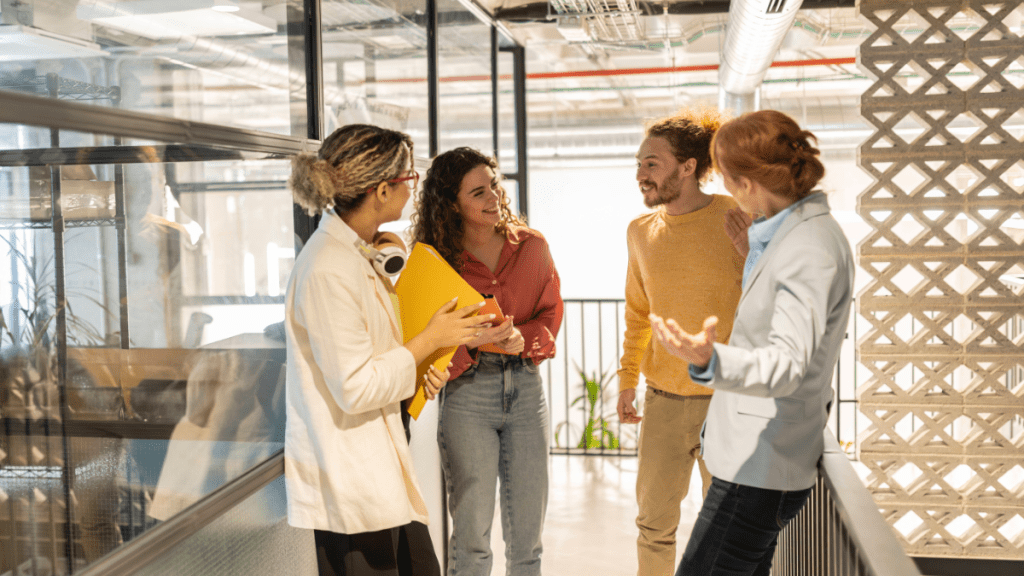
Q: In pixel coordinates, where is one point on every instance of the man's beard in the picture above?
(666, 192)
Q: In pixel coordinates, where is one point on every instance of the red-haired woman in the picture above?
(764, 431)
(494, 418)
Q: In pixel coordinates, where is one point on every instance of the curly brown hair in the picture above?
(436, 220)
(689, 132)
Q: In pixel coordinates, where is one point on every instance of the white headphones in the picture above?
(388, 256)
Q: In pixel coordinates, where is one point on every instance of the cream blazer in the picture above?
(348, 468)
(773, 381)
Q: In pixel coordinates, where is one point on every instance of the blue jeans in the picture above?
(494, 426)
(737, 530)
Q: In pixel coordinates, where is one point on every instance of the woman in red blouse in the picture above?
(494, 417)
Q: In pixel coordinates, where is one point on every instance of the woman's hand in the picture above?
(435, 380)
(451, 327)
(736, 224)
(696, 349)
(448, 327)
(514, 343)
(494, 334)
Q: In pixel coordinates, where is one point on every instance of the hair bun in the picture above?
(310, 183)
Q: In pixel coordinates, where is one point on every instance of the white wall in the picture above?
(583, 213)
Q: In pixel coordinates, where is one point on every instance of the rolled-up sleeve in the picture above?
(539, 332)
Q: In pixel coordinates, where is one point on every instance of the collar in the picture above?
(516, 236)
(815, 204)
(763, 229)
(332, 224)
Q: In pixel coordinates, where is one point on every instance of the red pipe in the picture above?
(625, 71)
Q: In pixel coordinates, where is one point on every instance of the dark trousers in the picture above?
(403, 551)
(737, 530)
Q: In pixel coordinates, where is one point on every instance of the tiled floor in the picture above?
(591, 522)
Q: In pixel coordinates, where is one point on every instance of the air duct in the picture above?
(753, 35)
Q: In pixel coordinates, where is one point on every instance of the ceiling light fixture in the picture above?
(19, 42)
(225, 6)
(176, 18)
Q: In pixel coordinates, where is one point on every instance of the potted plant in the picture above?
(598, 431)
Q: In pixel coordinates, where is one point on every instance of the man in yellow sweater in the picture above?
(682, 265)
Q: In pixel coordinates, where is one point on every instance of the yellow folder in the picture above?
(426, 283)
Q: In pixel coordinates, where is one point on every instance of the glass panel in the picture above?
(464, 68)
(375, 66)
(173, 275)
(251, 538)
(512, 191)
(506, 114)
(218, 61)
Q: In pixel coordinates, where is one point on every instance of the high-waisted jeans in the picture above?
(494, 427)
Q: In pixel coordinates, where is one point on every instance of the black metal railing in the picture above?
(583, 414)
(840, 530)
(583, 386)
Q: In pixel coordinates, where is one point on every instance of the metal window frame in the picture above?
(519, 100)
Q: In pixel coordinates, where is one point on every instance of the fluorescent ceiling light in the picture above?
(225, 6)
(175, 18)
(19, 43)
(573, 28)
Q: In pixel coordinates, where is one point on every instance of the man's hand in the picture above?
(627, 410)
(736, 224)
(696, 349)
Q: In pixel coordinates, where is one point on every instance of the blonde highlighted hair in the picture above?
(351, 161)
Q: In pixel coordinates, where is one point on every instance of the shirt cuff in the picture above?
(708, 373)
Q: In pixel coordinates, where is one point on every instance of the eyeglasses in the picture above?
(415, 179)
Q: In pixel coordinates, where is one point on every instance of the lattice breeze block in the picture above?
(944, 302)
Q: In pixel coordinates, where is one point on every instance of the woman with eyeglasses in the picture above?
(493, 416)
(348, 470)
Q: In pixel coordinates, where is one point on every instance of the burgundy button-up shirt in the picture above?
(525, 284)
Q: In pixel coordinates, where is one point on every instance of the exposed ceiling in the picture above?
(597, 68)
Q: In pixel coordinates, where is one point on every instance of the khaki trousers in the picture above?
(669, 445)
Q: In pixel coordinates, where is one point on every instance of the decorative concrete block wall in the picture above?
(942, 341)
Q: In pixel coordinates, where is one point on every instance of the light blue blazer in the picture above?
(773, 380)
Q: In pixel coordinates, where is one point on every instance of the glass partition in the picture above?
(506, 113)
(375, 66)
(464, 70)
(142, 282)
(229, 62)
(141, 341)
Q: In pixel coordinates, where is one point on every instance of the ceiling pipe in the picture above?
(541, 11)
(753, 35)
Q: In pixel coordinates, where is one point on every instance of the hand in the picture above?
(451, 327)
(448, 327)
(514, 343)
(434, 381)
(627, 411)
(696, 349)
(493, 334)
(736, 224)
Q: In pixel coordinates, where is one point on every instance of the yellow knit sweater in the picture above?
(682, 267)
